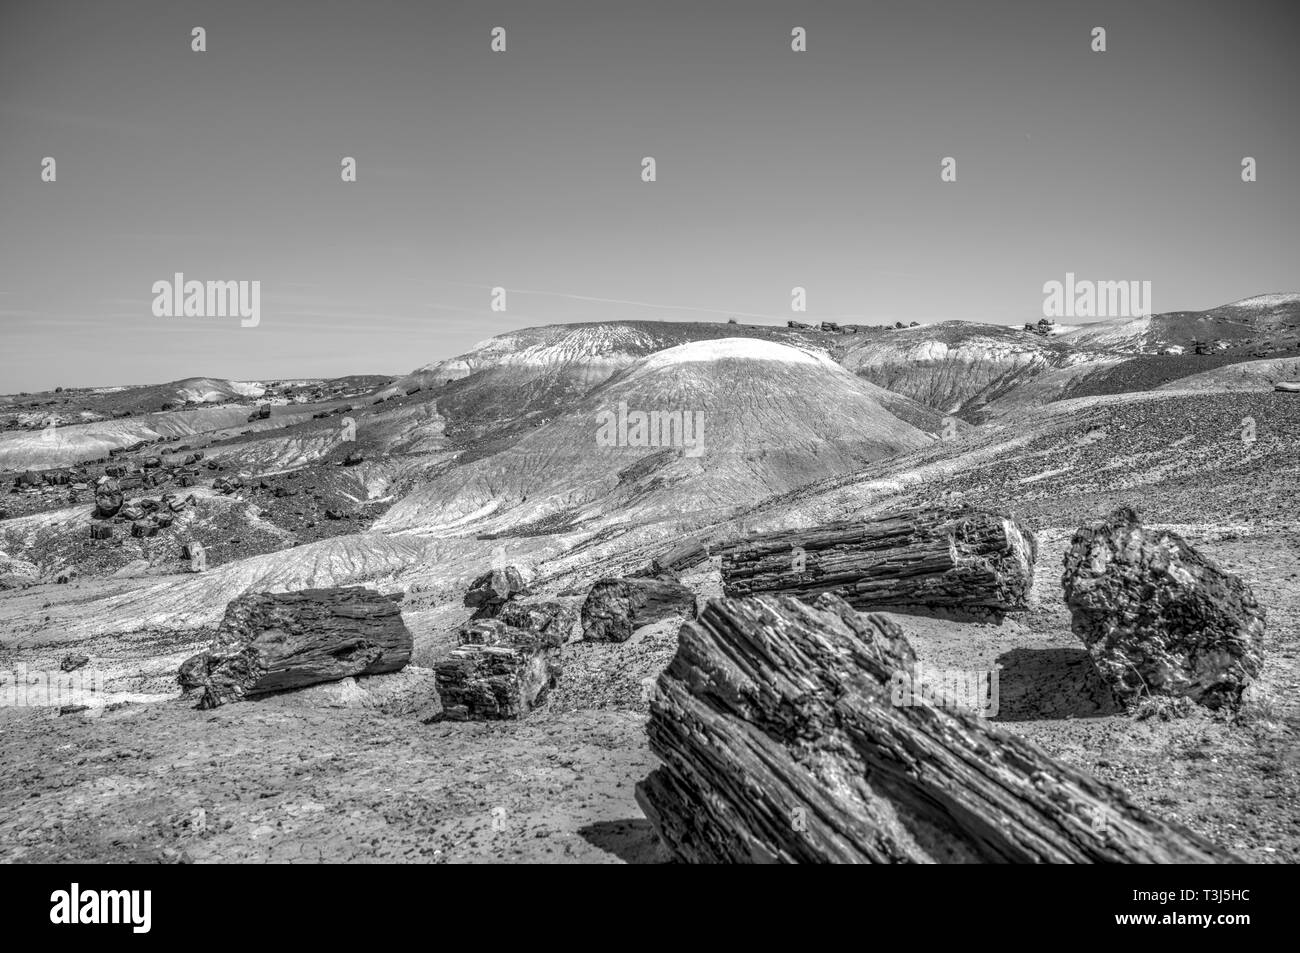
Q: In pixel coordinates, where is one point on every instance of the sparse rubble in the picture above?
(1160, 618)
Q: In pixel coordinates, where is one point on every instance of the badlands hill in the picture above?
(724, 420)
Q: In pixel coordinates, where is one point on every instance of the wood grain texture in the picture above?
(780, 742)
(963, 561)
(271, 642)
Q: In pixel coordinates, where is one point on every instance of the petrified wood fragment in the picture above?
(270, 642)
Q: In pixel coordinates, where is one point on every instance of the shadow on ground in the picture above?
(1051, 684)
(633, 841)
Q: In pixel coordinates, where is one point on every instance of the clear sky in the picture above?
(523, 169)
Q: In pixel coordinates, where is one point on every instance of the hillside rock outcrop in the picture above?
(1160, 618)
(780, 742)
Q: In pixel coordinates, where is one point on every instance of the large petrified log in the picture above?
(780, 742)
(616, 607)
(270, 642)
(961, 561)
(1160, 618)
(497, 672)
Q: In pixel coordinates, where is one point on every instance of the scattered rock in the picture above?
(71, 663)
(101, 531)
(1160, 618)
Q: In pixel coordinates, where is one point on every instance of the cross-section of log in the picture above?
(498, 672)
(617, 607)
(269, 642)
(962, 561)
(781, 742)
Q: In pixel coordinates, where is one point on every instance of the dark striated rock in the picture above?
(780, 741)
(101, 531)
(71, 663)
(142, 529)
(494, 587)
(962, 561)
(497, 672)
(1160, 618)
(617, 607)
(270, 642)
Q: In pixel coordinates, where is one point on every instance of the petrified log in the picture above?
(497, 672)
(494, 587)
(616, 607)
(780, 742)
(270, 642)
(960, 561)
(554, 621)
(1160, 618)
(100, 531)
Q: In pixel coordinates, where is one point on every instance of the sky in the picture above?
(523, 169)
